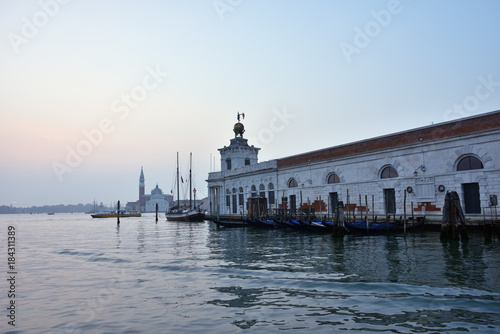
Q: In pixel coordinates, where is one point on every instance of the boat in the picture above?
(229, 223)
(266, 223)
(382, 227)
(185, 214)
(113, 214)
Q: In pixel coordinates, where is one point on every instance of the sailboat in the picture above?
(185, 214)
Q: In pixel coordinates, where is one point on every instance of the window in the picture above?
(262, 190)
(271, 193)
(292, 183)
(228, 164)
(235, 205)
(254, 191)
(247, 162)
(228, 198)
(240, 195)
(468, 163)
(388, 172)
(333, 178)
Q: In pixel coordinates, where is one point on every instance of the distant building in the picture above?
(373, 175)
(147, 203)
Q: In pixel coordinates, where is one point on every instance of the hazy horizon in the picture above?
(92, 91)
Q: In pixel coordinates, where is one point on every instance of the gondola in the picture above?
(381, 227)
(227, 223)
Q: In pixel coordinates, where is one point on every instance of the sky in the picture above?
(91, 90)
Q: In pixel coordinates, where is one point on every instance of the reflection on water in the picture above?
(420, 258)
(291, 280)
(81, 275)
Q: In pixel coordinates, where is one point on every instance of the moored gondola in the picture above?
(382, 227)
(228, 223)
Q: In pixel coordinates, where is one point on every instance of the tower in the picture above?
(142, 187)
(238, 153)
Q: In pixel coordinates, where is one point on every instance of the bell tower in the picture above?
(238, 154)
(142, 204)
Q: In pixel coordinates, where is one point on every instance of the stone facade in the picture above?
(372, 175)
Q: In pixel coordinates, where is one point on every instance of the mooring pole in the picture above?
(157, 212)
(118, 213)
(404, 210)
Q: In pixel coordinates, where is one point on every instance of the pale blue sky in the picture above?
(157, 77)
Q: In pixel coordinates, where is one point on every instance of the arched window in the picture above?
(262, 190)
(388, 172)
(254, 190)
(292, 183)
(469, 162)
(333, 178)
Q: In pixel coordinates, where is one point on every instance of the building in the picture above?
(147, 202)
(409, 171)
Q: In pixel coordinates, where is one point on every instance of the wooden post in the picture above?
(320, 208)
(386, 199)
(404, 211)
(348, 210)
(157, 212)
(366, 219)
(373, 208)
(118, 213)
(361, 207)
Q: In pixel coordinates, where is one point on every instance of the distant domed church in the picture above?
(147, 203)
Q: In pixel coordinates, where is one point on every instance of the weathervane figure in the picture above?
(242, 114)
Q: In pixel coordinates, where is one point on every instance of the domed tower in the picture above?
(238, 153)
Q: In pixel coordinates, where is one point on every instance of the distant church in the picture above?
(147, 203)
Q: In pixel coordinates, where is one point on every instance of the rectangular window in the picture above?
(241, 199)
(235, 206)
(247, 162)
(228, 200)
(228, 164)
(271, 197)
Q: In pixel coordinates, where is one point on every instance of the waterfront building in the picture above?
(147, 202)
(408, 171)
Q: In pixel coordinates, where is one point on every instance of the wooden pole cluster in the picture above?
(338, 223)
(453, 223)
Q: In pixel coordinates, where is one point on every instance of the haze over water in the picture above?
(76, 274)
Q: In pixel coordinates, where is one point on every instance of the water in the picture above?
(76, 274)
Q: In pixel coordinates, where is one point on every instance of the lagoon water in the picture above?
(75, 274)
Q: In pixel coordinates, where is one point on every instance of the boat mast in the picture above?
(178, 198)
(190, 190)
